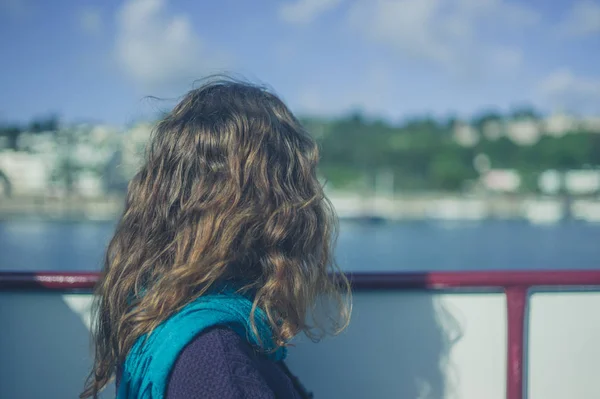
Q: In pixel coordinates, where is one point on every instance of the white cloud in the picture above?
(90, 21)
(582, 20)
(565, 90)
(305, 11)
(156, 47)
(444, 32)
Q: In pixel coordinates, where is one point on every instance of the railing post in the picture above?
(516, 301)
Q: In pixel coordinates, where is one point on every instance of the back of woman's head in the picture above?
(228, 194)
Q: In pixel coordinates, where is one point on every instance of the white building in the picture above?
(558, 125)
(27, 174)
(524, 132)
(133, 148)
(93, 145)
(550, 182)
(88, 155)
(41, 143)
(502, 180)
(582, 181)
(465, 135)
(89, 185)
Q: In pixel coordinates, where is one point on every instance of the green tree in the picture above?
(12, 133)
(47, 124)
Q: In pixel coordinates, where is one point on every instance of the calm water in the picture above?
(33, 245)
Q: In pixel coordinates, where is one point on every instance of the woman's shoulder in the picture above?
(219, 340)
(218, 363)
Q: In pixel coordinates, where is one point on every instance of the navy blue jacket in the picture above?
(220, 364)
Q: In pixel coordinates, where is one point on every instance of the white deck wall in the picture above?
(564, 345)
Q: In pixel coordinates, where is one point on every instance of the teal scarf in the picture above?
(150, 360)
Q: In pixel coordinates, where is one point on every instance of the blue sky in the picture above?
(96, 60)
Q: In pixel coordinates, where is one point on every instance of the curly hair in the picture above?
(228, 193)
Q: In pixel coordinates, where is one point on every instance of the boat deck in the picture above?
(466, 335)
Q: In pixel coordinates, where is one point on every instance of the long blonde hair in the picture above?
(228, 192)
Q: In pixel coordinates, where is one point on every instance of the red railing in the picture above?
(515, 284)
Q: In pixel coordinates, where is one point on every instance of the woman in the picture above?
(221, 256)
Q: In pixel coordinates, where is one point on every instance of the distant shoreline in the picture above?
(61, 210)
(350, 207)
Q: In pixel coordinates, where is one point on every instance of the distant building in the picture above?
(502, 180)
(104, 134)
(550, 182)
(92, 146)
(582, 181)
(493, 130)
(558, 125)
(27, 174)
(41, 143)
(89, 185)
(465, 135)
(523, 132)
(133, 148)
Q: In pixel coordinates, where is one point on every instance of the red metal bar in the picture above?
(48, 281)
(360, 281)
(475, 279)
(516, 302)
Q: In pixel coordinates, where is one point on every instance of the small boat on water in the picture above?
(467, 335)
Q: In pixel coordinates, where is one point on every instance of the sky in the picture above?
(98, 60)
